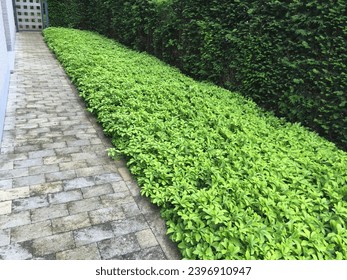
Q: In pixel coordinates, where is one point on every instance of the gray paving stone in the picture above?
(107, 178)
(118, 246)
(5, 207)
(60, 176)
(63, 197)
(45, 213)
(70, 223)
(118, 198)
(10, 194)
(57, 159)
(53, 244)
(41, 154)
(78, 143)
(85, 205)
(5, 237)
(90, 171)
(45, 257)
(28, 180)
(15, 173)
(86, 136)
(43, 169)
(78, 183)
(31, 231)
(33, 202)
(58, 136)
(14, 219)
(15, 251)
(131, 209)
(87, 252)
(152, 253)
(13, 156)
(42, 140)
(84, 156)
(120, 186)
(129, 225)
(146, 238)
(38, 120)
(104, 215)
(95, 149)
(99, 161)
(46, 188)
(33, 140)
(111, 168)
(6, 165)
(95, 141)
(93, 234)
(76, 124)
(27, 148)
(28, 125)
(41, 132)
(54, 145)
(72, 165)
(6, 184)
(68, 151)
(4, 150)
(97, 190)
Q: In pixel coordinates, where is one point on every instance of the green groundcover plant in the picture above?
(232, 181)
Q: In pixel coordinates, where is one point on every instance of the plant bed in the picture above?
(233, 181)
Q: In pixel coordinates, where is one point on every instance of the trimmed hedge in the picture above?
(289, 57)
(233, 182)
(64, 13)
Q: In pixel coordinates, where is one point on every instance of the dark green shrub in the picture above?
(66, 13)
(289, 57)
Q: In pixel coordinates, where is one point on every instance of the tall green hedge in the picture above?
(288, 56)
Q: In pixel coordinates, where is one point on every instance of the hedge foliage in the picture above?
(233, 181)
(288, 56)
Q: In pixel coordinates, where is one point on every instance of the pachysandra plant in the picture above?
(232, 181)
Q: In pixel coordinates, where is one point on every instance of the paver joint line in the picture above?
(61, 196)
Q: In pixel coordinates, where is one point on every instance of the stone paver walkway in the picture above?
(61, 196)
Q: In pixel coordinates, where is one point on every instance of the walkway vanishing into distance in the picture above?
(61, 196)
